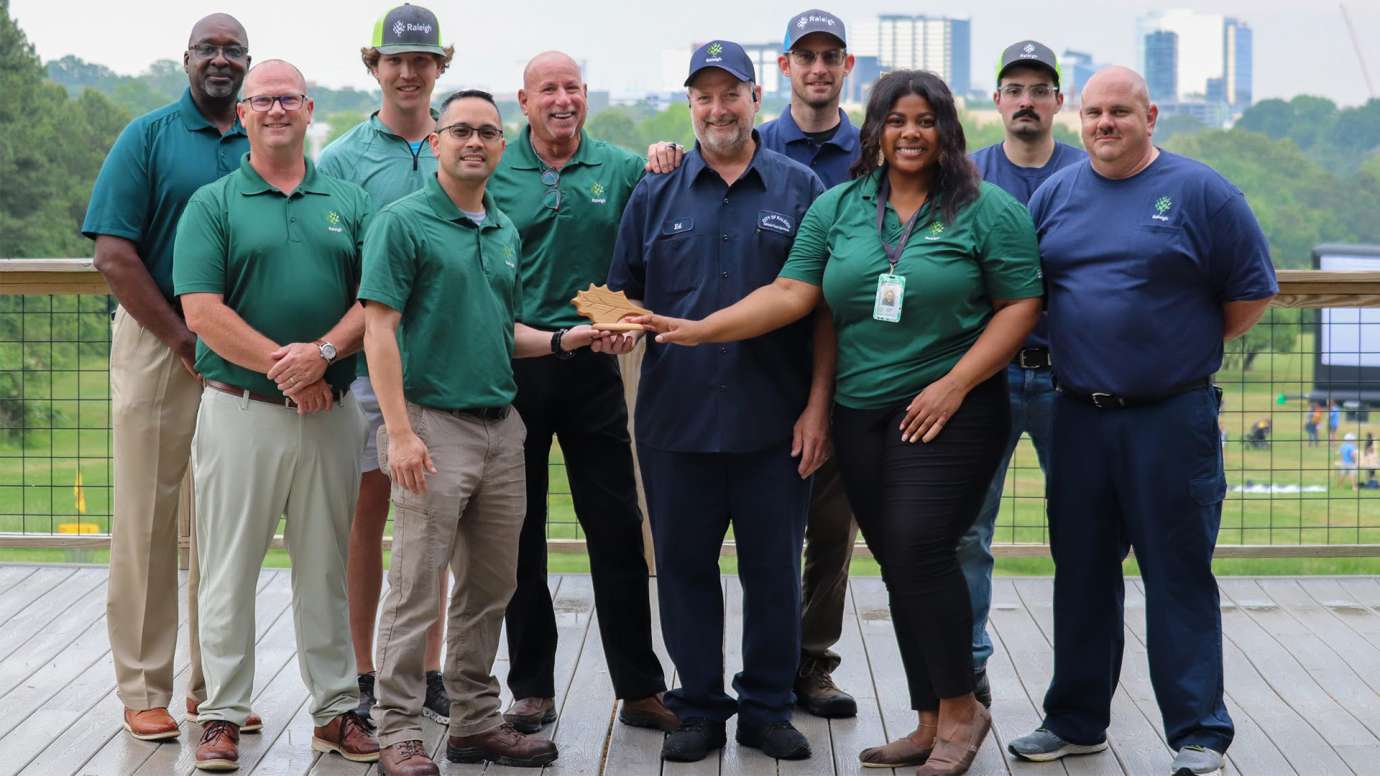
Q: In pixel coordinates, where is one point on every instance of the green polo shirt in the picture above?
(155, 166)
(953, 272)
(457, 287)
(382, 163)
(567, 249)
(287, 264)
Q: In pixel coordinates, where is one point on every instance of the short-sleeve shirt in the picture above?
(1137, 271)
(288, 264)
(953, 271)
(565, 249)
(1021, 183)
(830, 160)
(689, 244)
(153, 169)
(456, 284)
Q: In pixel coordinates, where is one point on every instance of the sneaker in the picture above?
(982, 689)
(1043, 746)
(693, 740)
(1194, 760)
(367, 699)
(437, 705)
(219, 748)
(778, 740)
(816, 692)
(502, 745)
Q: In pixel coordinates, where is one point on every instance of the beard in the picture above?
(219, 91)
(723, 140)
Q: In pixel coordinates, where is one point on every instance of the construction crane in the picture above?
(1356, 44)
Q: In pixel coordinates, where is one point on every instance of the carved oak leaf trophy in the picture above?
(607, 309)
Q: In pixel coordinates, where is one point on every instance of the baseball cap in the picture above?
(813, 20)
(1026, 53)
(725, 55)
(408, 28)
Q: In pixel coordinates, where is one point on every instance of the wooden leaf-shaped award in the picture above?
(607, 308)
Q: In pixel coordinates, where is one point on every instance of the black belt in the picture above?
(1110, 401)
(483, 413)
(1032, 358)
(336, 393)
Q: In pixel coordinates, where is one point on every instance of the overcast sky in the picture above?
(1300, 47)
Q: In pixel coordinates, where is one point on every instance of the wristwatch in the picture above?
(556, 345)
(327, 351)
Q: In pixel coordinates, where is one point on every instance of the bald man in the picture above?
(159, 160)
(1151, 260)
(565, 191)
(266, 264)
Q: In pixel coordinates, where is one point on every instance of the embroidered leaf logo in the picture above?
(936, 229)
(596, 189)
(333, 218)
(1163, 204)
(605, 307)
(715, 49)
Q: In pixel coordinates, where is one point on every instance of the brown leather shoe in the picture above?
(219, 749)
(503, 745)
(649, 712)
(901, 753)
(253, 724)
(407, 758)
(529, 714)
(151, 724)
(347, 736)
(952, 757)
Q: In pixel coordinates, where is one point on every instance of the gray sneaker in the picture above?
(1196, 760)
(1043, 746)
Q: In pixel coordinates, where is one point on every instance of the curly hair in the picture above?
(371, 56)
(957, 180)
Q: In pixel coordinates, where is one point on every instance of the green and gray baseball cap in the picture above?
(408, 28)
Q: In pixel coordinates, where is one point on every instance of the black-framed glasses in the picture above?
(209, 50)
(551, 179)
(806, 57)
(264, 102)
(463, 132)
(1036, 91)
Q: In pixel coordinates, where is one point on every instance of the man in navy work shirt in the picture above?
(714, 425)
(1027, 97)
(1151, 260)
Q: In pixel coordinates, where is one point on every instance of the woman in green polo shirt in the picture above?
(932, 278)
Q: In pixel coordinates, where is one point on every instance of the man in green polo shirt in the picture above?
(266, 264)
(159, 160)
(565, 191)
(442, 265)
(388, 156)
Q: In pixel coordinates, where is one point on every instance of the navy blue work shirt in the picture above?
(1137, 270)
(688, 245)
(830, 160)
(1021, 182)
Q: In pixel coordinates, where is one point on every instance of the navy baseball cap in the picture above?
(725, 55)
(1027, 53)
(408, 28)
(813, 20)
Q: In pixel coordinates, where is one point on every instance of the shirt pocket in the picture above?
(674, 266)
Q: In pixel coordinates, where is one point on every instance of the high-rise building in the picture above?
(903, 42)
(1162, 65)
(1213, 55)
(1238, 71)
(1076, 67)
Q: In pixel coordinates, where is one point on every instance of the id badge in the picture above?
(891, 293)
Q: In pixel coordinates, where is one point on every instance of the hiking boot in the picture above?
(503, 745)
(816, 692)
(1043, 746)
(407, 758)
(367, 699)
(1194, 760)
(347, 736)
(436, 707)
(778, 740)
(693, 740)
(648, 712)
(529, 714)
(219, 749)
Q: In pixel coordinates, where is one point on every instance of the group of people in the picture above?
(851, 328)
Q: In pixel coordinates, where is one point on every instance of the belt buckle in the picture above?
(1112, 401)
(1020, 359)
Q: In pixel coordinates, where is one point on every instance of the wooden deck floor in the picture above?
(1303, 671)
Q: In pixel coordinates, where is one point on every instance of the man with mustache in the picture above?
(157, 163)
(565, 192)
(714, 425)
(1027, 96)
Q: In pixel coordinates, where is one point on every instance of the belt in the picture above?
(1110, 401)
(1033, 358)
(336, 394)
(483, 413)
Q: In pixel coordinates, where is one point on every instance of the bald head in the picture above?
(216, 57)
(1118, 120)
(275, 72)
(218, 25)
(549, 64)
(1120, 81)
(554, 99)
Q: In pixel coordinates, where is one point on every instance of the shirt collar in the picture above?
(445, 208)
(193, 119)
(695, 165)
(381, 128)
(845, 139)
(525, 156)
(255, 184)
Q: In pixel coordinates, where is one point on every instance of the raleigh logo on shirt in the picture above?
(1162, 206)
(508, 255)
(597, 192)
(935, 231)
(333, 222)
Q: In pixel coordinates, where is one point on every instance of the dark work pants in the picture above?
(1149, 478)
(913, 503)
(692, 498)
(829, 535)
(580, 401)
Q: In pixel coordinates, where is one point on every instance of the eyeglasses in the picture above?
(463, 132)
(264, 102)
(1036, 91)
(208, 50)
(551, 179)
(806, 57)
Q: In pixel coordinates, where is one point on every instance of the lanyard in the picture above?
(893, 252)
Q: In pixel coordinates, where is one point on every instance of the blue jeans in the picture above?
(1032, 411)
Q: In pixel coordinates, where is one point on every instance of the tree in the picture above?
(340, 123)
(616, 126)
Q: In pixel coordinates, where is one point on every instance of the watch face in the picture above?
(328, 351)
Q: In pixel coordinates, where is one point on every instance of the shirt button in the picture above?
(723, 348)
(723, 387)
(723, 274)
(725, 200)
(725, 237)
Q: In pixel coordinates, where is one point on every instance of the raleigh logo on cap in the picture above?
(804, 20)
(715, 49)
(1029, 49)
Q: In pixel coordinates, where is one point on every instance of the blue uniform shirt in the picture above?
(689, 245)
(830, 160)
(1021, 182)
(1137, 271)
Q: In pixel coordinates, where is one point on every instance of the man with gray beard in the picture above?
(714, 425)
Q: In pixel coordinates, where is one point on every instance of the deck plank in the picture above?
(1016, 708)
(587, 715)
(637, 751)
(848, 737)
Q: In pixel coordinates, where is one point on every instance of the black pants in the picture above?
(580, 401)
(913, 503)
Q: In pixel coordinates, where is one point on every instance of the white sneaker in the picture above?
(1194, 760)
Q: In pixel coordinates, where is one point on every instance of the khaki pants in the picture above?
(254, 464)
(153, 404)
(470, 517)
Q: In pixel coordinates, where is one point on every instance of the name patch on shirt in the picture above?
(678, 225)
(774, 221)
